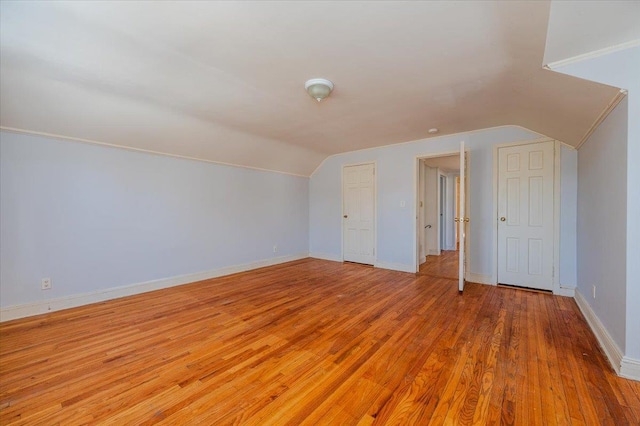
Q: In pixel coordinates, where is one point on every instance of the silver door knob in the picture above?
(502, 219)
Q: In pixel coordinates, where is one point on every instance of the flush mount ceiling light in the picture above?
(434, 130)
(318, 88)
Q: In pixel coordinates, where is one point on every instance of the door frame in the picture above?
(442, 211)
(416, 199)
(435, 226)
(556, 288)
(375, 208)
(451, 202)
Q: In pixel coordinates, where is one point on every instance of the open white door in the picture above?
(462, 219)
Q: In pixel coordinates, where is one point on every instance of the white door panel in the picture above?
(525, 215)
(359, 213)
(462, 218)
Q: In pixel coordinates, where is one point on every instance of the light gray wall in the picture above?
(602, 219)
(396, 183)
(568, 195)
(93, 218)
(621, 69)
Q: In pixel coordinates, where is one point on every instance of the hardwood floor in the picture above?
(313, 342)
(443, 266)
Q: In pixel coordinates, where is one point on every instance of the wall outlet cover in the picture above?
(46, 283)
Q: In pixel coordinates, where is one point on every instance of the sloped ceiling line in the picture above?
(605, 113)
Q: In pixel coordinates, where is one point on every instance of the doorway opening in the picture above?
(438, 206)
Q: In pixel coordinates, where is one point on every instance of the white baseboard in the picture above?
(479, 278)
(610, 348)
(565, 291)
(630, 368)
(326, 256)
(433, 252)
(395, 266)
(378, 264)
(52, 305)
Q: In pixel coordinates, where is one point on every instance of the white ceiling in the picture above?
(223, 81)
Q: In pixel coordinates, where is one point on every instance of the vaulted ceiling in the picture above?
(223, 81)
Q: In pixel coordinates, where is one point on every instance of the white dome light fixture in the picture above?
(318, 88)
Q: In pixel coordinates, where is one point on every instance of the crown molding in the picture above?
(590, 55)
(603, 115)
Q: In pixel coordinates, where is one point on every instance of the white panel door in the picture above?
(359, 213)
(462, 219)
(525, 215)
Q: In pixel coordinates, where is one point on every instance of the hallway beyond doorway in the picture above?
(443, 266)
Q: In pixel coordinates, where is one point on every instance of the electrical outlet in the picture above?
(594, 291)
(46, 283)
(275, 248)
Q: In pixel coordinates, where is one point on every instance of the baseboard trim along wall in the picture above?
(479, 278)
(623, 366)
(630, 368)
(30, 309)
(565, 291)
(326, 256)
(401, 267)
